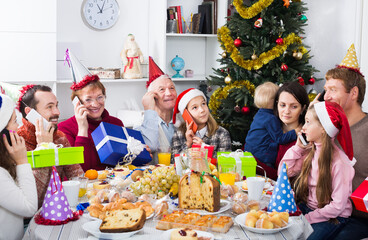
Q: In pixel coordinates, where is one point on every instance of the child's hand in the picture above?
(197, 140)
(189, 134)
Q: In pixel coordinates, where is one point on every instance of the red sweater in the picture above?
(70, 128)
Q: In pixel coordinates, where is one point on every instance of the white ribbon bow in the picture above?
(45, 146)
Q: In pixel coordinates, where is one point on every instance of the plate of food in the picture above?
(255, 222)
(224, 206)
(93, 228)
(178, 233)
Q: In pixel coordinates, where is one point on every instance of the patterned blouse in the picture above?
(220, 140)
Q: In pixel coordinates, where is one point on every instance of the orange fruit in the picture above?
(91, 174)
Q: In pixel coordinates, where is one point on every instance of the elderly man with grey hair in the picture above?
(159, 102)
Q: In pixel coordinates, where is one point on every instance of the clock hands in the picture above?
(103, 5)
(99, 8)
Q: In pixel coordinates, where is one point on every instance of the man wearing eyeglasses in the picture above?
(43, 100)
(346, 86)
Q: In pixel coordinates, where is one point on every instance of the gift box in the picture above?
(55, 157)
(360, 196)
(245, 162)
(112, 142)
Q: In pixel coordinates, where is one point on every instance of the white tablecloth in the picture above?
(301, 229)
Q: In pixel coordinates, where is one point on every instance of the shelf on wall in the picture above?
(103, 80)
(189, 35)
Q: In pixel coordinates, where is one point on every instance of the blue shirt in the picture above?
(149, 129)
(265, 135)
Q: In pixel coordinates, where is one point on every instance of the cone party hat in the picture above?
(282, 199)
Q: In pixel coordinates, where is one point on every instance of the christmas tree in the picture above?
(262, 41)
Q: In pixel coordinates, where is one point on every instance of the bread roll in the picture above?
(250, 221)
(264, 223)
(239, 207)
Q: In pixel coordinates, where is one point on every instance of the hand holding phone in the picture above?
(188, 118)
(33, 115)
(303, 139)
(75, 101)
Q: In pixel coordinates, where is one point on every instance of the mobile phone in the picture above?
(188, 118)
(33, 115)
(322, 96)
(76, 100)
(303, 139)
(6, 132)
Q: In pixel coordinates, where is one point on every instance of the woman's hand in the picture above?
(44, 135)
(189, 134)
(80, 113)
(18, 150)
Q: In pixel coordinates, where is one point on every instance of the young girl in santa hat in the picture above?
(208, 131)
(325, 171)
(18, 185)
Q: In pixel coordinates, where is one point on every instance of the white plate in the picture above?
(166, 235)
(93, 228)
(240, 219)
(87, 215)
(224, 206)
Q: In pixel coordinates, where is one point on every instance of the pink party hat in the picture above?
(282, 199)
(55, 208)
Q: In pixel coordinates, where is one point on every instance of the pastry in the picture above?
(103, 175)
(187, 220)
(250, 221)
(161, 209)
(253, 205)
(239, 207)
(264, 223)
(204, 222)
(166, 222)
(222, 224)
(240, 197)
(277, 221)
(101, 185)
(146, 206)
(113, 196)
(121, 172)
(102, 196)
(136, 175)
(129, 196)
(123, 221)
(197, 191)
(183, 233)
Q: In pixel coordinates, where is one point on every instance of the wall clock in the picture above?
(100, 14)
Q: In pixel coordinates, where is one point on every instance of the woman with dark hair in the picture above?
(291, 104)
(18, 185)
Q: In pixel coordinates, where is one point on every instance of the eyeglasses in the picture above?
(99, 99)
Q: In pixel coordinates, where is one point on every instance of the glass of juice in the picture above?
(164, 156)
(227, 173)
(82, 186)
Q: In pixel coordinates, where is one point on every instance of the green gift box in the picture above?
(244, 161)
(55, 157)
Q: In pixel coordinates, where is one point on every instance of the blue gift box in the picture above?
(111, 144)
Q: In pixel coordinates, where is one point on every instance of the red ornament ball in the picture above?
(222, 70)
(238, 42)
(279, 41)
(301, 81)
(311, 81)
(245, 110)
(284, 67)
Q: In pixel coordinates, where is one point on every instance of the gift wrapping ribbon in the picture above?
(134, 146)
(236, 155)
(365, 200)
(130, 60)
(56, 150)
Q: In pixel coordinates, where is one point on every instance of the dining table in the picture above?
(299, 229)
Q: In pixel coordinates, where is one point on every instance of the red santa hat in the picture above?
(335, 123)
(184, 98)
(81, 75)
(154, 71)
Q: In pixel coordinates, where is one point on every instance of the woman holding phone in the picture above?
(192, 102)
(18, 185)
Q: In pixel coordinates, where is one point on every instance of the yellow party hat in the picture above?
(350, 60)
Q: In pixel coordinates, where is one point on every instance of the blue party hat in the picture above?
(282, 199)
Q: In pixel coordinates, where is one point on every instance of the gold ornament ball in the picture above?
(228, 79)
(299, 56)
(254, 57)
(223, 55)
(294, 54)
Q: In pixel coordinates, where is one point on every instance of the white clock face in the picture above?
(100, 14)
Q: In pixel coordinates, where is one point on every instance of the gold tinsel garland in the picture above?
(222, 93)
(228, 45)
(249, 12)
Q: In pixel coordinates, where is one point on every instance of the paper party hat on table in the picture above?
(55, 208)
(282, 199)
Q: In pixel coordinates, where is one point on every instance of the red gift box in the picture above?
(210, 150)
(360, 196)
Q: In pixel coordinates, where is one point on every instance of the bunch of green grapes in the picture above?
(158, 182)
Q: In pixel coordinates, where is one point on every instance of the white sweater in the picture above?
(18, 199)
